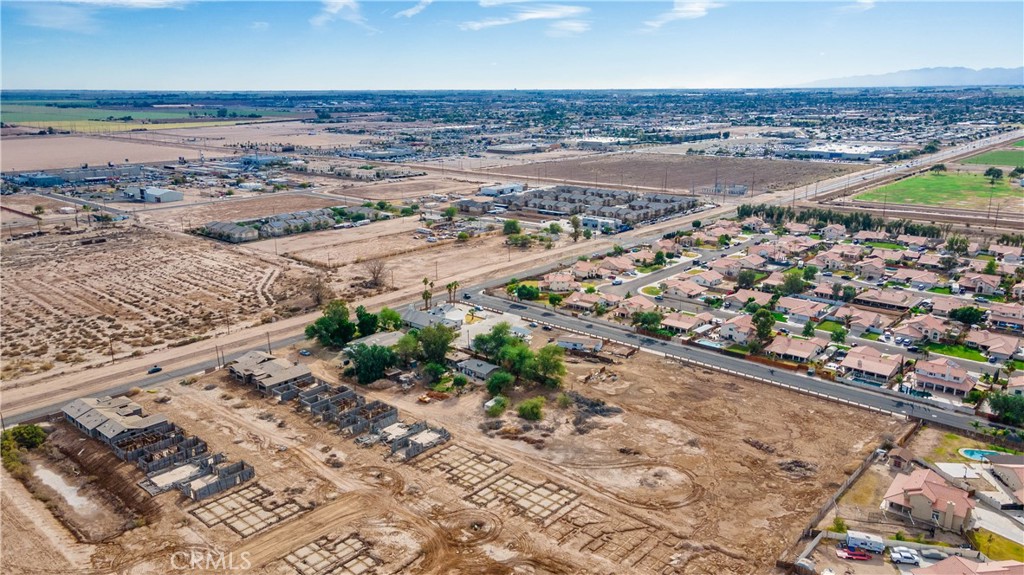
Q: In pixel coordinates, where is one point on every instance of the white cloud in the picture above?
(528, 13)
(259, 26)
(131, 3)
(566, 28)
(60, 17)
(410, 12)
(683, 10)
(858, 6)
(347, 10)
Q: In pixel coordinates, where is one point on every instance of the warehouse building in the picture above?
(151, 195)
(842, 152)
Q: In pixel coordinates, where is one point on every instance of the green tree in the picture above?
(968, 315)
(938, 168)
(793, 283)
(991, 268)
(648, 320)
(371, 361)
(957, 244)
(460, 381)
(435, 341)
(587, 234)
(462, 237)
(764, 323)
(724, 240)
(527, 292)
(389, 319)
(517, 358)
(408, 348)
(849, 292)
(38, 210)
(810, 272)
(333, 328)
(490, 343)
(449, 213)
(532, 409)
(838, 525)
(659, 258)
(1008, 407)
(27, 436)
(577, 227)
(500, 382)
(696, 224)
(994, 174)
(366, 321)
(550, 365)
(808, 330)
(746, 278)
(839, 335)
(554, 228)
(591, 289)
(618, 250)
(555, 300)
(434, 372)
(511, 227)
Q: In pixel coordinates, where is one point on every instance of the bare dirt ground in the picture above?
(650, 490)
(227, 210)
(27, 202)
(50, 152)
(678, 173)
(419, 187)
(66, 303)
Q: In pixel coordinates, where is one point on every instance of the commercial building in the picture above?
(841, 152)
(502, 189)
(151, 195)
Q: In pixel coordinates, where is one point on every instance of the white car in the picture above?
(905, 558)
(902, 549)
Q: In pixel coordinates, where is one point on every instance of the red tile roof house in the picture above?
(1015, 386)
(558, 282)
(681, 288)
(870, 269)
(774, 280)
(833, 232)
(960, 566)
(708, 279)
(739, 329)
(1002, 268)
(800, 310)
(637, 303)
(871, 236)
(789, 348)
(914, 242)
(668, 246)
(943, 375)
(728, 267)
(868, 363)
(923, 327)
(997, 345)
(979, 283)
(927, 498)
(753, 262)
(1007, 317)
(585, 270)
(887, 299)
(682, 323)
(796, 228)
(941, 306)
(1018, 291)
(917, 278)
(1008, 254)
(615, 265)
(860, 320)
(743, 296)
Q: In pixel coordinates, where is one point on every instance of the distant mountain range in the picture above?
(928, 77)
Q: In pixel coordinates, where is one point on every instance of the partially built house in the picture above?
(269, 374)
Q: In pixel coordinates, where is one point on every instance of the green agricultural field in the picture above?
(963, 191)
(1010, 158)
(1019, 144)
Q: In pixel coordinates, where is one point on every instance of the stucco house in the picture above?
(929, 499)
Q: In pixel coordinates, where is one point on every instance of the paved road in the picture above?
(867, 396)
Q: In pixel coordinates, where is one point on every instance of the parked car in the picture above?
(305, 353)
(826, 274)
(905, 558)
(466, 296)
(533, 324)
(914, 349)
(933, 554)
(616, 282)
(980, 299)
(991, 359)
(846, 277)
(546, 328)
(155, 369)
(855, 555)
(902, 549)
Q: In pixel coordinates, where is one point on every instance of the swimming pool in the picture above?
(977, 454)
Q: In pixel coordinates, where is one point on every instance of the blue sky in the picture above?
(490, 44)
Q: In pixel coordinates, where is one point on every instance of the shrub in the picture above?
(460, 380)
(433, 371)
(531, 409)
(564, 401)
(838, 525)
(499, 406)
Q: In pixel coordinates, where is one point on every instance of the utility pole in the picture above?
(268, 342)
(110, 342)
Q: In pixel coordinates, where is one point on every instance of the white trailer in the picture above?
(865, 541)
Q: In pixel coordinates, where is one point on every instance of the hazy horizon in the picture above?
(347, 45)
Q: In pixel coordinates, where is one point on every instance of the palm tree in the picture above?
(452, 288)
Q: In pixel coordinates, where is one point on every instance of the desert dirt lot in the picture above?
(678, 173)
(649, 490)
(66, 303)
(229, 210)
(407, 190)
(49, 152)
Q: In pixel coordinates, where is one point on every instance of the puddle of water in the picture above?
(69, 492)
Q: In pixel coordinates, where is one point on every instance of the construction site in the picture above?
(355, 480)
